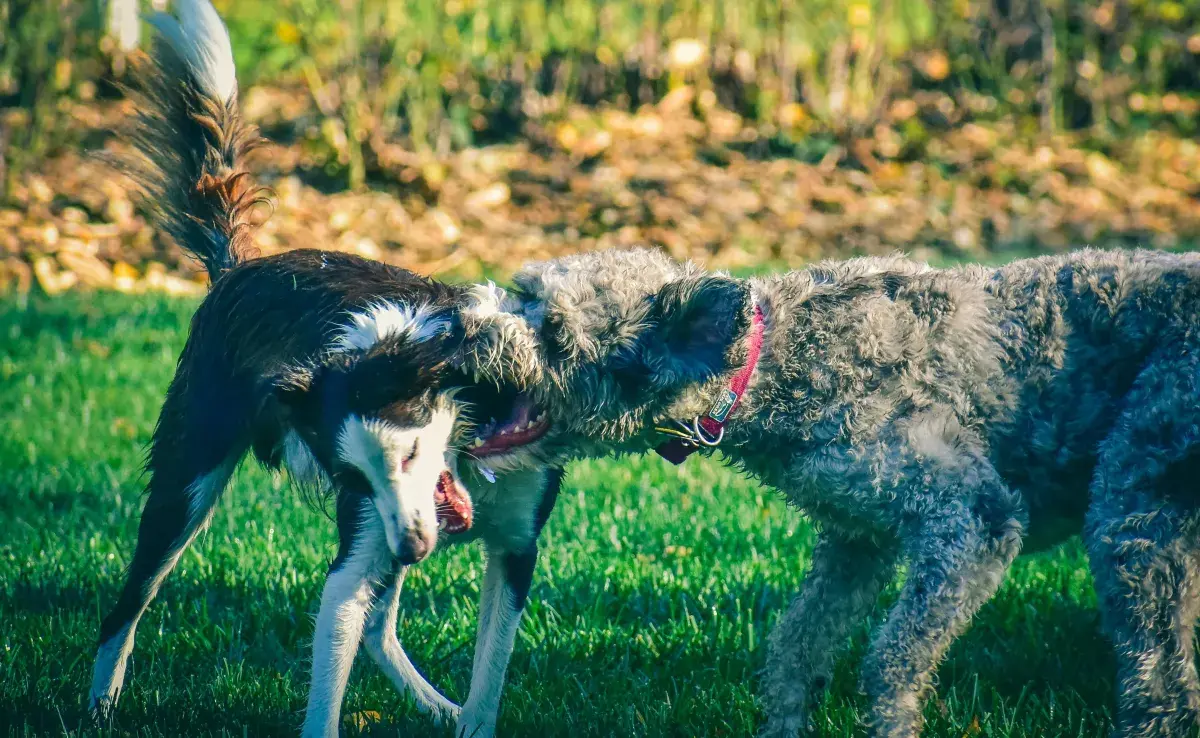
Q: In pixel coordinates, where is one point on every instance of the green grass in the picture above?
(648, 617)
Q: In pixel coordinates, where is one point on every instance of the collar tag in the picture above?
(720, 409)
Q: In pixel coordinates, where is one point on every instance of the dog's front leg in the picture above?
(505, 588)
(838, 592)
(957, 560)
(384, 647)
(363, 560)
(511, 560)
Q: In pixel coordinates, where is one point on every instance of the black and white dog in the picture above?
(340, 369)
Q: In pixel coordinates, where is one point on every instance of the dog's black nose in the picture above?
(415, 546)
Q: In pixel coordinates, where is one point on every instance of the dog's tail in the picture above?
(190, 139)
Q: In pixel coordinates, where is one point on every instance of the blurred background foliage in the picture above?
(50, 52)
(436, 76)
(466, 137)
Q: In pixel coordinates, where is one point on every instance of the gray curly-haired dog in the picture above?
(946, 419)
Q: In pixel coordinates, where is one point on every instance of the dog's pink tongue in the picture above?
(453, 504)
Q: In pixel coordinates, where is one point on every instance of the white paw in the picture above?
(101, 706)
(445, 713)
(475, 726)
(785, 727)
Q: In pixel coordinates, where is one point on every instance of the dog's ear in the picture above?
(497, 341)
(297, 386)
(693, 323)
(403, 372)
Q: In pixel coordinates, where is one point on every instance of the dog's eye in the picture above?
(408, 460)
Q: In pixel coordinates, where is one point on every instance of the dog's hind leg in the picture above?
(1147, 571)
(839, 590)
(185, 484)
(385, 649)
(354, 583)
(1143, 539)
(957, 557)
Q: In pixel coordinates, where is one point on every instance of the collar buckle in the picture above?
(694, 435)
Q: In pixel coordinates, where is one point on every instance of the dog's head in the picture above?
(378, 420)
(602, 345)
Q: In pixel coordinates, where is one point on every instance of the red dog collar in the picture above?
(709, 429)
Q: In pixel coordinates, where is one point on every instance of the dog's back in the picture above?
(1037, 356)
(298, 305)
(1078, 330)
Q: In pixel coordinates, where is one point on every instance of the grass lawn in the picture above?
(654, 594)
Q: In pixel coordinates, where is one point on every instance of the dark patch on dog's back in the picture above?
(892, 284)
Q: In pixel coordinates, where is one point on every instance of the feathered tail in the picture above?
(190, 139)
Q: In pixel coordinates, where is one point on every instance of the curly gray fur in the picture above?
(946, 419)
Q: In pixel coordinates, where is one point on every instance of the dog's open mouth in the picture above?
(454, 510)
(524, 424)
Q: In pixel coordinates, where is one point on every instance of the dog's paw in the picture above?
(475, 726)
(446, 713)
(101, 708)
(790, 726)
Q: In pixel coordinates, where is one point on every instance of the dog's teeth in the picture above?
(477, 442)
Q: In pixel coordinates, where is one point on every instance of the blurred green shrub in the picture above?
(448, 73)
(48, 56)
(414, 78)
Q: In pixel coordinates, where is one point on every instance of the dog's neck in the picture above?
(708, 429)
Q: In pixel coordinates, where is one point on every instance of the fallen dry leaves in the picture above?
(708, 189)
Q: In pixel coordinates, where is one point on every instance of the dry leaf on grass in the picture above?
(364, 720)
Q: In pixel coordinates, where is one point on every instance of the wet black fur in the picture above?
(260, 360)
(257, 364)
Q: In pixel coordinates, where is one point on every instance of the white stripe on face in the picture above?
(402, 466)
